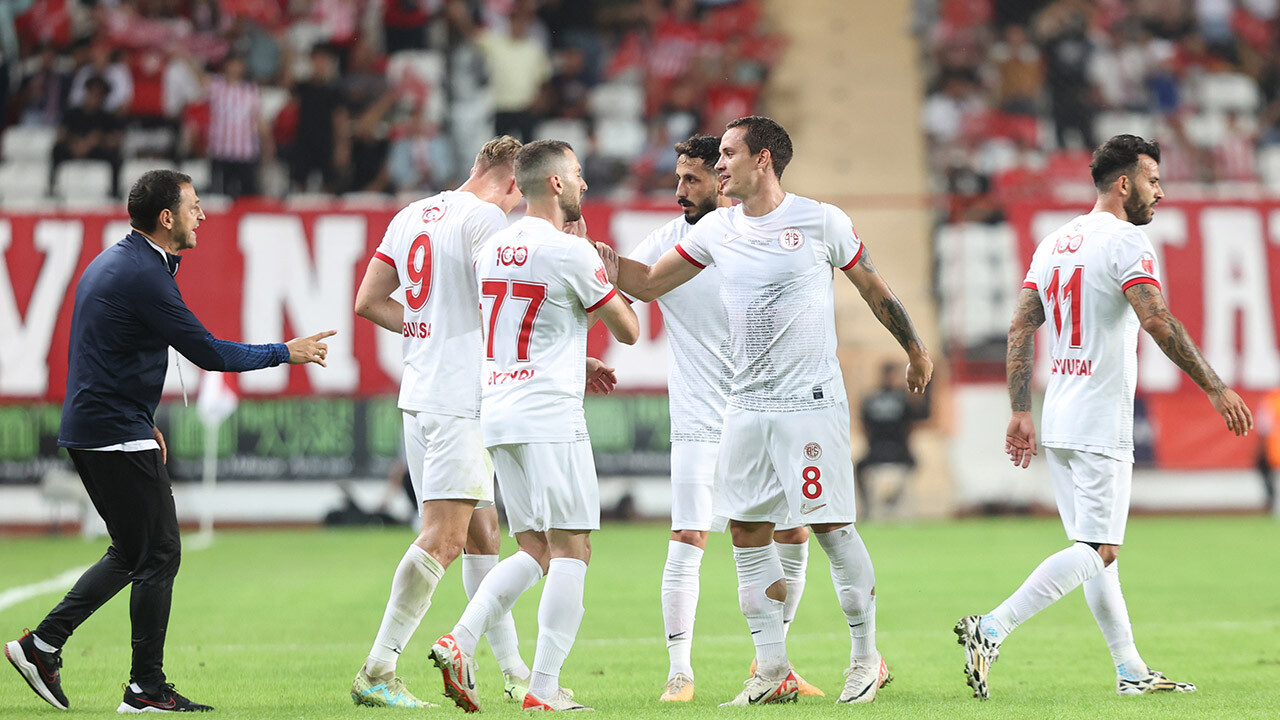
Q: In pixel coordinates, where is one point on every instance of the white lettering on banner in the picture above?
(644, 365)
(1236, 282)
(280, 278)
(24, 354)
(1155, 372)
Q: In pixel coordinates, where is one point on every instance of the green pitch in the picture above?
(275, 624)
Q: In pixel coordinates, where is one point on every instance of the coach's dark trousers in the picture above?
(131, 492)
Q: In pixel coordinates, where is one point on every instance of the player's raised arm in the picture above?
(889, 311)
(1020, 436)
(618, 316)
(1172, 337)
(373, 299)
(648, 282)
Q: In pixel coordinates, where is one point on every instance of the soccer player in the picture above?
(785, 443)
(540, 289)
(429, 250)
(698, 387)
(1097, 278)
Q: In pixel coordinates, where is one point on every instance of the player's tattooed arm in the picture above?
(1020, 355)
(1172, 337)
(893, 316)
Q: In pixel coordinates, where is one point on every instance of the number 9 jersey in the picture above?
(536, 286)
(1081, 273)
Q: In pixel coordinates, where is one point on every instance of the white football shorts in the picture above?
(1092, 491)
(787, 468)
(548, 485)
(693, 473)
(447, 459)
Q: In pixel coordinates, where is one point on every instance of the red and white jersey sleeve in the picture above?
(432, 244)
(696, 245)
(536, 285)
(697, 342)
(844, 247)
(1081, 272)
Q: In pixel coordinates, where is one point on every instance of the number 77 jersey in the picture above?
(536, 285)
(1081, 273)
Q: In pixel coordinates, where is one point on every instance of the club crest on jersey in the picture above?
(1149, 264)
(791, 239)
(433, 213)
(1068, 244)
(812, 451)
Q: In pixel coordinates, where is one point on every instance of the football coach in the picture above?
(128, 313)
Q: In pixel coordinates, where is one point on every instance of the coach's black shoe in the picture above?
(40, 669)
(166, 700)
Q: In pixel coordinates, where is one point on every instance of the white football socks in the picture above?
(495, 597)
(854, 579)
(795, 562)
(412, 585)
(1105, 599)
(1056, 576)
(559, 617)
(502, 636)
(758, 569)
(680, 604)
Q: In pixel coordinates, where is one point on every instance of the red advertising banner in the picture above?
(1220, 262)
(261, 272)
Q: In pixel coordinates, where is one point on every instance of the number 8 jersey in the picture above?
(536, 285)
(1081, 273)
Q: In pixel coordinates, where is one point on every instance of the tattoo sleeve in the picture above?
(1171, 336)
(888, 309)
(1020, 356)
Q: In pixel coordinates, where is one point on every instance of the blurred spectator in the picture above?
(1020, 72)
(9, 50)
(89, 132)
(419, 157)
(322, 141)
(43, 92)
(404, 24)
(518, 67)
(947, 109)
(106, 65)
(238, 137)
(888, 416)
(1234, 156)
(1067, 53)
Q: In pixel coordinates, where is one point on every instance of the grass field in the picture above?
(274, 624)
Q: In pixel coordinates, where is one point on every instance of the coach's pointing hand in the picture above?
(309, 349)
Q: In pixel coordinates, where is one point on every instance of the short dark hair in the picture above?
(156, 190)
(765, 134)
(535, 161)
(1119, 156)
(701, 147)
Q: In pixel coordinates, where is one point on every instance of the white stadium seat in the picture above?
(1205, 129)
(574, 132)
(24, 183)
(623, 139)
(1111, 123)
(1228, 92)
(23, 142)
(617, 100)
(200, 172)
(81, 183)
(1269, 167)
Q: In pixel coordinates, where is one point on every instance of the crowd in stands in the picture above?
(1020, 91)
(275, 97)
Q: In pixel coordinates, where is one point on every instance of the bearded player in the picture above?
(1098, 279)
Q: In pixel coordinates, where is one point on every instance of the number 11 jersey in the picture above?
(536, 286)
(1081, 273)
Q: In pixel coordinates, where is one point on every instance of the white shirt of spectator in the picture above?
(697, 342)
(536, 286)
(776, 287)
(432, 244)
(1081, 272)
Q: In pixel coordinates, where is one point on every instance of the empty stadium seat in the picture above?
(23, 142)
(1205, 129)
(1227, 92)
(24, 183)
(574, 132)
(1269, 167)
(81, 183)
(617, 100)
(131, 170)
(618, 138)
(200, 172)
(1111, 123)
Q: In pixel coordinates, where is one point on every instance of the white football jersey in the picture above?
(1081, 272)
(777, 291)
(697, 343)
(432, 245)
(536, 286)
